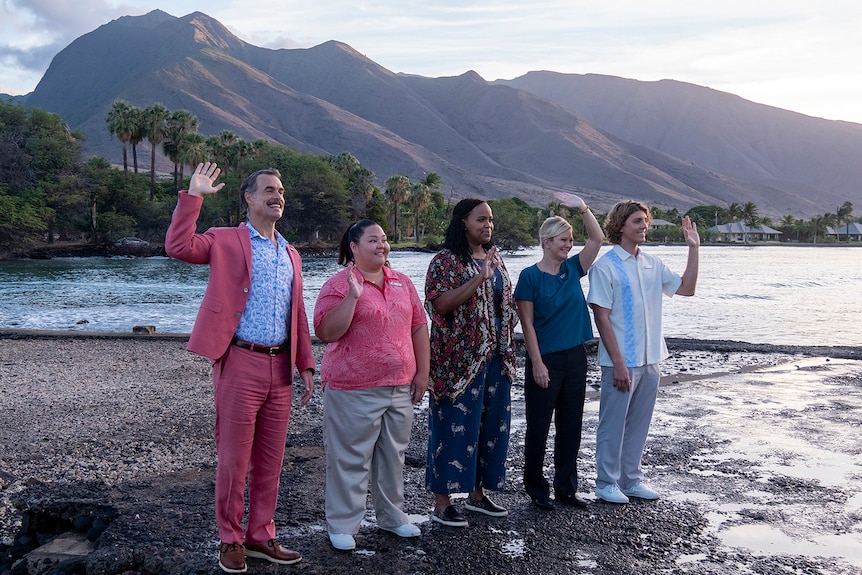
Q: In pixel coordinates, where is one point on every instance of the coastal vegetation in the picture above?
(49, 192)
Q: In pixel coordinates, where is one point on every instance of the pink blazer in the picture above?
(228, 253)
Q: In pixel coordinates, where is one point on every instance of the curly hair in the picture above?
(618, 215)
(456, 234)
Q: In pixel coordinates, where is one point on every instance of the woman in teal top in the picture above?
(556, 324)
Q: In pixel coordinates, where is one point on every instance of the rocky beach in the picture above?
(107, 467)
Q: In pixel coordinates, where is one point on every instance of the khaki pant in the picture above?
(365, 434)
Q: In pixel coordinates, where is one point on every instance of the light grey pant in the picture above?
(365, 435)
(624, 420)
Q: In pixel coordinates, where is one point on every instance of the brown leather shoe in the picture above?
(231, 558)
(272, 551)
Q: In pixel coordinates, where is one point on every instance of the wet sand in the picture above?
(755, 449)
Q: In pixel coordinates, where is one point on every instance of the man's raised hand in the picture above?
(203, 179)
(689, 231)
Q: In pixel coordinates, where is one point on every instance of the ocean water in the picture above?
(790, 295)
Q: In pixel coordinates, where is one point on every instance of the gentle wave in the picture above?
(786, 295)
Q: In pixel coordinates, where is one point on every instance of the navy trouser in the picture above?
(469, 437)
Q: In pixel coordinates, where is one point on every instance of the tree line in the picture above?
(50, 192)
(793, 229)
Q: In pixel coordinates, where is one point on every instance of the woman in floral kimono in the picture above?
(473, 316)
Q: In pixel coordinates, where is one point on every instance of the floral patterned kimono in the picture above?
(472, 367)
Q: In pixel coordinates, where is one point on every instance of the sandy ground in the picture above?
(756, 450)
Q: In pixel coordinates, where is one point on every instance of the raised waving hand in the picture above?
(203, 179)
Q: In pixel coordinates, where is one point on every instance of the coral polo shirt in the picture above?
(377, 349)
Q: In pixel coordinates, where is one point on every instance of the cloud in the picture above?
(35, 59)
(35, 30)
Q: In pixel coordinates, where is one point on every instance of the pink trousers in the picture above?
(252, 402)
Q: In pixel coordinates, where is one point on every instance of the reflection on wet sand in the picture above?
(781, 474)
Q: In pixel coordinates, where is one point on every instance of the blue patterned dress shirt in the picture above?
(267, 310)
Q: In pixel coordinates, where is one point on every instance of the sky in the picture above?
(798, 55)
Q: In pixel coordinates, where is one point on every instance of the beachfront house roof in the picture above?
(660, 223)
(854, 229)
(740, 232)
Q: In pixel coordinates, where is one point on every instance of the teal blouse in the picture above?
(560, 315)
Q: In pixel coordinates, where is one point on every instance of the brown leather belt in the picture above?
(267, 349)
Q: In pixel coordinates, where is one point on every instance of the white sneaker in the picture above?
(406, 530)
(342, 541)
(641, 491)
(611, 493)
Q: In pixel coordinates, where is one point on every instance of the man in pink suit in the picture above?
(252, 325)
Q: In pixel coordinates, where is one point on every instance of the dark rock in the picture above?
(82, 523)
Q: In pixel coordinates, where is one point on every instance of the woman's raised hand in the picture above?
(353, 282)
(570, 200)
(491, 262)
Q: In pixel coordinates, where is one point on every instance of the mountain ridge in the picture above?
(801, 153)
(525, 137)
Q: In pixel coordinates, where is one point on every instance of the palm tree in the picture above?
(830, 221)
(360, 181)
(432, 181)
(192, 150)
(788, 225)
(344, 163)
(361, 190)
(240, 151)
(221, 149)
(180, 123)
(120, 124)
(845, 216)
(169, 149)
(420, 197)
(817, 225)
(155, 126)
(734, 210)
(137, 134)
(397, 192)
(750, 218)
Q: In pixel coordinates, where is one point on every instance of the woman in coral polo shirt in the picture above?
(373, 371)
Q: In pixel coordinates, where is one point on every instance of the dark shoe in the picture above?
(231, 558)
(449, 516)
(574, 500)
(544, 502)
(273, 552)
(485, 506)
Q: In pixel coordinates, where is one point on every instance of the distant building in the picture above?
(659, 223)
(738, 232)
(854, 229)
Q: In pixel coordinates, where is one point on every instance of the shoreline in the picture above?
(156, 249)
(684, 344)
